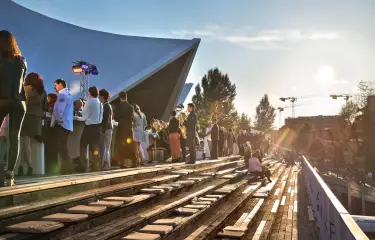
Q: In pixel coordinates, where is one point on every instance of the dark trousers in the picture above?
(61, 135)
(16, 111)
(191, 145)
(125, 148)
(90, 137)
(50, 149)
(214, 150)
(221, 148)
(183, 147)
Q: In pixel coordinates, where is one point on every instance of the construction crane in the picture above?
(281, 109)
(293, 100)
(344, 96)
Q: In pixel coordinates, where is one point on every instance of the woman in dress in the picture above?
(36, 105)
(12, 96)
(140, 122)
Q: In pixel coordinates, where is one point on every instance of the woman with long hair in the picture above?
(36, 105)
(12, 75)
(139, 132)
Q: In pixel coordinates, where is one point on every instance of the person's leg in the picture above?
(183, 148)
(16, 115)
(51, 152)
(102, 139)
(94, 146)
(137, 152)
(62, 148)
(192, 150)
(3, 149)
(26, 142)
(107, 149)
(83, 143)
(209, 148)
(214, 150)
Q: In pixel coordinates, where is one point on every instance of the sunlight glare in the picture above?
(325, 76)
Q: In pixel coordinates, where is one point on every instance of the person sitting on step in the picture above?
(255, 167)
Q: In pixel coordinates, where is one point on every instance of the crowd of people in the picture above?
(25, 104)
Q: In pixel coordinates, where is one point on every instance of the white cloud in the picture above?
(75, 87)
(251, 38)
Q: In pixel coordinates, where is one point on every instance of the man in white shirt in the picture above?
(92, 114)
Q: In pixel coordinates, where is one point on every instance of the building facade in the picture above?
(152, 71)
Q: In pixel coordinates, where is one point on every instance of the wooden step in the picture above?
(186, 211)
(82, 209)
(168, 221)
(156, 229)
(65, 217)
(108, 204)
(34, 227)
(142, 236)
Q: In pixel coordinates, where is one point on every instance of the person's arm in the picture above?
(22, 93)
(45, 102)
(144, 121)
(86, 112)
(132, 115)
(105, 117)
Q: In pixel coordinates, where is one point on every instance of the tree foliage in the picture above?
(214, 98)
(244, 122)
(349, 112)
(365, 89)
(265, 115)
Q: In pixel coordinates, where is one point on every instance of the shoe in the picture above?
(190, 163)
(20, 171)
(30, 171)
(9, 178)
(105, 166)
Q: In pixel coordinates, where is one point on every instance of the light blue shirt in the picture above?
(92, 112)
(63, 110)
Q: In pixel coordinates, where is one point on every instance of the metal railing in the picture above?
(332, 220)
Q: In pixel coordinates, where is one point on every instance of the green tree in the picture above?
(214, 97)
(265, 115)
(349, 112)
(244, 122)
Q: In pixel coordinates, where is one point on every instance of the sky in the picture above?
(289, 48)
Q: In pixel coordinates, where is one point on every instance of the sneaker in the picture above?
(9, 179)
(105, 166)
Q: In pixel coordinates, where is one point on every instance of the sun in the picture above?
(325, 76)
